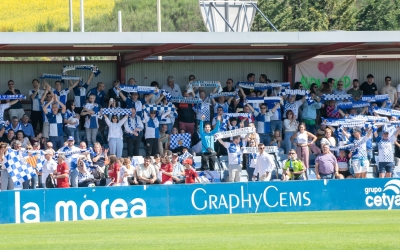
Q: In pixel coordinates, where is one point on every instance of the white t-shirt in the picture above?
(48, 168)
(124, 180)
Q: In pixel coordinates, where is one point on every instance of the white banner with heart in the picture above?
(319, 69)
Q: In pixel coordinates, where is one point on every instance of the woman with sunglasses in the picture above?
(115, 134)
(302, 144)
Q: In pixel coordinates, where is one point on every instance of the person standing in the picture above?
(302, 144)
(152, 132)
(6, 181)
(389, 90)
(49, 166)
(134, 129)
(56, 134)
(263, 121)
(264, 165)
(326, 166)
(36, 95)
(369, 87)
(115, 134)
(190, 173)
(234, 158)
(71, 154)
(99, 94)
(290, 124)
(62, 172)
(16, 109)
(173, 89)
(207, 142)
(386, 153)
(355, 91)
(91, 112)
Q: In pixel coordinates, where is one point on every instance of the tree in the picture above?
(378, 15)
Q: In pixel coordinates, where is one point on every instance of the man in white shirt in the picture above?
(234, 158)
(388, 89)
(49, 166)
(264, 165)
(172, 88)
(146, 174)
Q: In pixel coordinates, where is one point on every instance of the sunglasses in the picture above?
(260, 148)
(264, 108)
(340, 85)
(152, 113)
(228, 83)
(291, 153)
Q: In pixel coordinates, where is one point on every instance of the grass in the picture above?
(302, 230)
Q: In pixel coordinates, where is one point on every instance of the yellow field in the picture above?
(27, 15)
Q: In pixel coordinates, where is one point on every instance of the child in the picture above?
(190, 173)
(343, 163)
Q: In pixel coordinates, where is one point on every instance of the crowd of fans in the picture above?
(292, 124)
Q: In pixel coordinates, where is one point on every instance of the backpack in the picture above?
(50, 182)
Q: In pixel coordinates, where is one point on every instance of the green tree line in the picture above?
(286, 15)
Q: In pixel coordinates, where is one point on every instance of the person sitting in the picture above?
(85, 178)
(294, 168)
(178, 173)
(326, 166)
(20, 136)
(146, 174)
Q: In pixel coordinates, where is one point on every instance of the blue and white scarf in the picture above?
(189, 100)
(369, 118)
(262, 86)
(204, 84)
(166, 94)
(224, 94)
(384, 111)
(60, 77)
(375, 98)
(328, 97)
(116, 111)
(353, 104)
(12, 97)
(137, 89)
(183, 157)
(92, 68)
(226, 116)
(272, 99)
(152, 107)
(344, 122)
(344, 147)
(231, 133)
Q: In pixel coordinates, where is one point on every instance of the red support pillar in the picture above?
(120, 70)
(287, 71)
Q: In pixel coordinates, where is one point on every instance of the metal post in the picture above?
(119, 21)
(71, 23)
(227, 15)
(159, 20)
(82, 24)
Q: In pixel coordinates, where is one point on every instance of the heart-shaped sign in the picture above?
(325, 67)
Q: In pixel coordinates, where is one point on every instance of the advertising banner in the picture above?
(319, 69)
(70, 204)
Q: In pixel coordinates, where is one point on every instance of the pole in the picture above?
(82, 24)
(159, 20)
(71, 23)
(119, 21)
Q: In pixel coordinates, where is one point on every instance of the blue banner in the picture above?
(26, 206)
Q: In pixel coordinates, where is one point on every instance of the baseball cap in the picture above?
(187, 161)
(71, 138)
(370, 76)
(48, 152)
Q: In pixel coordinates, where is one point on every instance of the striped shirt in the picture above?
(56, 124)
(152, 127)
(35, 102)
(80, 95)
(234, 153)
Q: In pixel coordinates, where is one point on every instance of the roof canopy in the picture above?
(136, 46)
